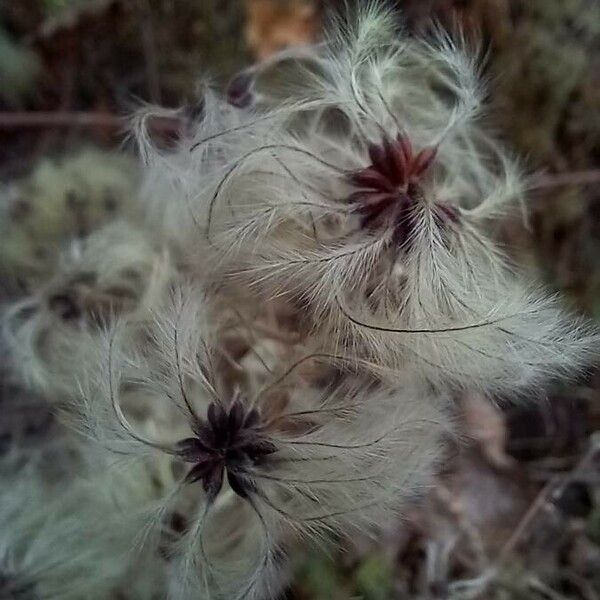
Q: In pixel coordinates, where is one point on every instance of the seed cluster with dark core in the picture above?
(228, 441)
(389, 187)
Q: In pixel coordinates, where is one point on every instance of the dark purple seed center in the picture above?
(229, 441)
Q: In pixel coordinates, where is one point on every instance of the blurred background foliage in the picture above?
(522, 499)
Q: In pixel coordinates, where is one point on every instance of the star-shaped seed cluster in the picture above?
(388, 189)
(394, 165)
(231, 441)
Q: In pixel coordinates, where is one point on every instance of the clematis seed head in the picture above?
(228, 441)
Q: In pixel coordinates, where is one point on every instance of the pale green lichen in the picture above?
(60, 200)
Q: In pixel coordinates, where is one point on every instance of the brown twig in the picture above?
(540, 501)
(547, 180)
(25, 120)
(33, 120)
(553, 489)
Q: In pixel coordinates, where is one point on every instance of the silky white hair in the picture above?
(345, 455)
(280, 210)
(115, 271)
(67, 523)
(271, 360)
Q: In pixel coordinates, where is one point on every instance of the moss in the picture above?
(374, 577)
(320, 579)
(58, 201)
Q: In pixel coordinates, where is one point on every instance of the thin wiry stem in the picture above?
(294, 366)
(156, 516)
(267, 554)
(441, 330)
(274, 113)
(119, 412)
(322, 517)
(316, 411)
(203, 378)
(198, 533)
(301, 188)
(305, 202)
(368, 444)
(182, 391)
(360, 104)
(285, 480)
(254, 341)
(389, 111)
(248, 155)
(326, 259)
